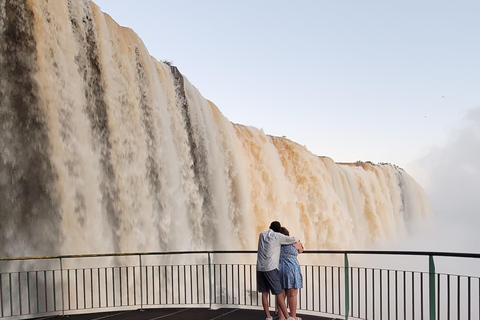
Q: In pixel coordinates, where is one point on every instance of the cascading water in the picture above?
(105, 149)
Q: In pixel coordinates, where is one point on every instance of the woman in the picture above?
(290, 274)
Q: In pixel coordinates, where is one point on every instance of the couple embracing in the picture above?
(278, 270)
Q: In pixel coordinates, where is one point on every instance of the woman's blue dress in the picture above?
(290, 272)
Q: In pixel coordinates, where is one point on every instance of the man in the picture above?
(268, 256)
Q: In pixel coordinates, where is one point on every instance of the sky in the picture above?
(380, 81)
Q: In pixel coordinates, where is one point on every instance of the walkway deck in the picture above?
(179, 314)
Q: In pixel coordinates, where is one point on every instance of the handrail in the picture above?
(359, 252)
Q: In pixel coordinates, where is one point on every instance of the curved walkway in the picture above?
(179, 314)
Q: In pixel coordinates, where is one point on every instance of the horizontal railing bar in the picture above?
(100, 255)
(399, 253)
(367, 252)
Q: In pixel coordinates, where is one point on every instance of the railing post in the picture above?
(347, 287)
(210, 280)
(431, 282)
(61, 281)
(141, 282)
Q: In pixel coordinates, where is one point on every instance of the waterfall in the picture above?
(106, 149)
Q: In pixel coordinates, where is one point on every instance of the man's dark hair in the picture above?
(275, 226)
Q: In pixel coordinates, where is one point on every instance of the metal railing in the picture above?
(355, 284)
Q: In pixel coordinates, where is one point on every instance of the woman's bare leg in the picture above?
(292, 301)
(282, 307)
(282, 316)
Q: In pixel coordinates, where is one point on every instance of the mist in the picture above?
(451, 175)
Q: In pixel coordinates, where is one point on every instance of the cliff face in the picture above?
(105, 149)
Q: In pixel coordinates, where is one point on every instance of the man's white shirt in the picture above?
(269, 244)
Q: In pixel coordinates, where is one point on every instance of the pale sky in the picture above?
(381, 81)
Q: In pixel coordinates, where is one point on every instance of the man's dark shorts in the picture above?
(269, 281)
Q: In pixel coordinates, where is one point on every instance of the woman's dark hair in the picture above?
(275, 226)
(284, 231)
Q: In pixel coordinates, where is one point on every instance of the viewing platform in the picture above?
(397, 285)
(181, 314)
